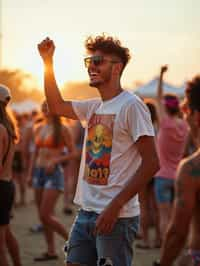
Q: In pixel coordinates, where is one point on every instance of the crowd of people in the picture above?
(42, 156)
(136, 158)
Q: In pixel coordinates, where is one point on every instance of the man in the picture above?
(186, 211)
(118, 159)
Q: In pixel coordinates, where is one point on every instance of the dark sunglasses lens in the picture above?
(97, 60)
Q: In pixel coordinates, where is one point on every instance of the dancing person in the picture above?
(19, 163)
(71, 168)
(46, 176)
(192, 141)
(171, 142)
(119, 155)
(8, 138)
(186, 209)
(149, 211)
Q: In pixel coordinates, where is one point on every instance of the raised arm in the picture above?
(159, 96)
(55, 101)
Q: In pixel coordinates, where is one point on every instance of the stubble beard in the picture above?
(95, 84)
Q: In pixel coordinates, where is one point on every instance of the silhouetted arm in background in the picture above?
(159, 95)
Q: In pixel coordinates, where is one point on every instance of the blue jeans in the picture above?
(114, 249)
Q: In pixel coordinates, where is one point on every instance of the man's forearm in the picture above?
(142, 176)
(52, 92)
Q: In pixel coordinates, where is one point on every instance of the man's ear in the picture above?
(118, 68)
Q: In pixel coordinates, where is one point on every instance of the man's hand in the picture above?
(106, 220)
(46, 49)
(163, 69)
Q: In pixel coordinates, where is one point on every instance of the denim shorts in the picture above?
(54, 180)
(114, 249)
(164, 189)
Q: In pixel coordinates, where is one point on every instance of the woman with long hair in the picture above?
(46, 175)
(8, 138)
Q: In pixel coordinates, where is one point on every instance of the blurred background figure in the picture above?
(19, 162)
(171, 141)
(149, 213)
(8, 138)
(71, 168)
(186, 210)
(192, 140)
(46, 175)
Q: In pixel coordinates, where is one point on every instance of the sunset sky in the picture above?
(157, 32)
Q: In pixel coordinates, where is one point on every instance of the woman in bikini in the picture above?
(46, 175)
(8, 137)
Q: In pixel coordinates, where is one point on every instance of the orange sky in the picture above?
(157, 32)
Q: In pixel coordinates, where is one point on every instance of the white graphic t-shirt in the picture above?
(110, 157)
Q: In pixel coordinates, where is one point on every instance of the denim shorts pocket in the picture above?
(132, 228)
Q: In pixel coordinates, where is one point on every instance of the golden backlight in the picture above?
(156, 32)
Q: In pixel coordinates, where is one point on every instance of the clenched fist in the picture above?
(164, 69)
(46, 49)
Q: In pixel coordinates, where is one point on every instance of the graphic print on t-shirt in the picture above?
(98, 149)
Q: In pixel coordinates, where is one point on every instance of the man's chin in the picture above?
(95, 84)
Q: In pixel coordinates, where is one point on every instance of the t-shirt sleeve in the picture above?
(85, 108)
(139, 120)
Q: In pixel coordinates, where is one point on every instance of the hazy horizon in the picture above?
(156, 33)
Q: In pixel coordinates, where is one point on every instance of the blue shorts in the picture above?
(54, 180)
(114, 249)
(164, 189)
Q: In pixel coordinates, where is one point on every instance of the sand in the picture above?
(32, 245)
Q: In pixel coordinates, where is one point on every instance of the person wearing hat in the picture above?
(8, 138)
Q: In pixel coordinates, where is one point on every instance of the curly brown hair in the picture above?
(193, 93)
(108, 45)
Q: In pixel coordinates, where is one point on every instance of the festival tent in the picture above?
(25, 106)
(149, 89)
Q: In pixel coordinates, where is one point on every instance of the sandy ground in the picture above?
(32, 245)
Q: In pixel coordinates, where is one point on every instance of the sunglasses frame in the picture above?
(97, 60)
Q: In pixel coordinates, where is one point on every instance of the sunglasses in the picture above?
(97, 60)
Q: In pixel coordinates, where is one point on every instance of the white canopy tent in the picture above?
(25, 106)
(149, 89)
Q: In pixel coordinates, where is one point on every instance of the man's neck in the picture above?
(108, 92)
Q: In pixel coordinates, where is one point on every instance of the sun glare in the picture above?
(68, 62)
(138, 26)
